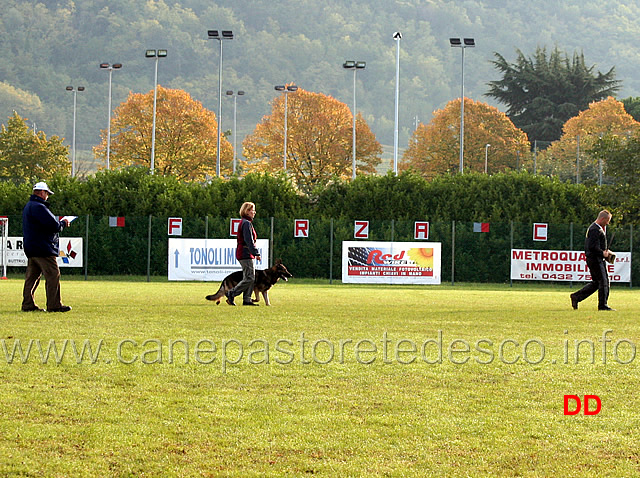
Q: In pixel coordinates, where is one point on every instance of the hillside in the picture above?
(49, 44)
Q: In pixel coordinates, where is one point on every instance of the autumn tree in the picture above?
(186, 136)
(580, 133)
(319, 140)
(435, 148)
(28, 156)
(543, 92)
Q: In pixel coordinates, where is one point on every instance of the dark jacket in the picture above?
(596, 242)
(247, 238)
(40, 229)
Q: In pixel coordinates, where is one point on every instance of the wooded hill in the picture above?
(47, 45)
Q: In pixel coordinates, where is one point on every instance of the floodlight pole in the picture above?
(109, 68)
(73, 140)
(397, 36)
(466, 43)
(154, 54)
(355, 66)
(216, 35)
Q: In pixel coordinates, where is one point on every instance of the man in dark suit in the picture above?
(40, 229)
(596, 250)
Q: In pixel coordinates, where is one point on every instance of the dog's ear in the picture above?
(278, 262)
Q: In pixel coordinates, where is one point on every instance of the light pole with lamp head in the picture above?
(157, 54)
(219, 35)
(109, 68)
(486, 156)
(235, 105)
(462, 44)
(355, 66)
(73, 140)
(286, 89)
(397, 36)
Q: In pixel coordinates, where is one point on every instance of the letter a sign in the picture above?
(421, 230)
(361, 230)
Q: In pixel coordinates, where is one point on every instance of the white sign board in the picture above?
(565, 266)
(70, 252)
(208, 259)
(391, 262)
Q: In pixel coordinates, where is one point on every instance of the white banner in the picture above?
(70, 252)
(391, 262)
(563, 266)
(208, 259)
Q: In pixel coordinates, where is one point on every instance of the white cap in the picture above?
(42, 186)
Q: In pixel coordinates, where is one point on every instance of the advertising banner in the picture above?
(391, 262)
(70, 252)
(563, 266)
(208, 259)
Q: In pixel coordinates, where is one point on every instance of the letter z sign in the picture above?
(361, 230)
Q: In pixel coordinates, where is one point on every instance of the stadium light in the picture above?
(462, 44)
(109, 68)
(286, 90)
(219, 35)
(157, 54)
(355, 66)
(73, 140)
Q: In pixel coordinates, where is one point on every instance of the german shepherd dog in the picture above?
(265, 278)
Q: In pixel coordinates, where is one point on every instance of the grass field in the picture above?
(356, 384)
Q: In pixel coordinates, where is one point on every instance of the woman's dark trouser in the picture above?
(245, 286)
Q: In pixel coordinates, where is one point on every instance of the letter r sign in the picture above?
(301, 228)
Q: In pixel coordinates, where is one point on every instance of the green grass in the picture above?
(340, 418)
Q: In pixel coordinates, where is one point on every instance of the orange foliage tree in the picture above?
(319, 140)
(606, 117)
(434, 148)
(186, 136)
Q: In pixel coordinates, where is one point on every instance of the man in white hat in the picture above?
(40, 233)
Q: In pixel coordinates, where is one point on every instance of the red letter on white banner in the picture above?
(361, 230)
(235, 225)
(175, 226)
(421, 230)
(301, 228)
(540, 231)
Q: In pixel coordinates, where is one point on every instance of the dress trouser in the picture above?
(599, 282)
(245, 286)
(36, 267)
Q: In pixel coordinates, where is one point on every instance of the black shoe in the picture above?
(574, 302)
(35, 308)
(229, 298)
(64, 308)
(606, 307)
(250, 303)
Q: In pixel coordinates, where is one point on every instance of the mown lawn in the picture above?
(332, 380)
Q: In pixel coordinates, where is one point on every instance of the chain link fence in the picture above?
(140, 248)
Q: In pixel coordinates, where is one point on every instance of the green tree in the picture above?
(543, 92)
(632, 106)
(621, 156)
(27, 156)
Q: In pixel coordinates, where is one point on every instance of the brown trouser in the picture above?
(36, 267)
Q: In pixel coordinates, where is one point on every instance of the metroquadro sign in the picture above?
(391, 262)
(529, 264)
(208, 259)
(70, 252)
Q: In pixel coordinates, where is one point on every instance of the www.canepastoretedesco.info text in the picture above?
(322, 351)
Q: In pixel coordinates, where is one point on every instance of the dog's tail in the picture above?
(218, 295)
